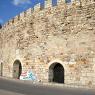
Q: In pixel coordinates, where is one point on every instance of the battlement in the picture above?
(48, 4)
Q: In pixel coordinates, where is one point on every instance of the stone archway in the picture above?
(56, 73)
(1, 69)
(17, 69)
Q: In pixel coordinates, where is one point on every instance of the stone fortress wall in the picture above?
(41, 37)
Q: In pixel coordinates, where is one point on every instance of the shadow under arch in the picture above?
(56, 73)
(17, 69)
(1, 69)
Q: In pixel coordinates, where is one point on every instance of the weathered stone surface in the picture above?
(63, 32)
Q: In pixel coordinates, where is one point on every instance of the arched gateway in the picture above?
(17, 69)
(56, 73)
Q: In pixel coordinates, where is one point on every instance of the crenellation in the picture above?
(76, 2)
(10, 22)
(6, 24)
(16, 18)
(22, 15)
(37, 7)
(60, 2)
(29, 11)
(48, 3)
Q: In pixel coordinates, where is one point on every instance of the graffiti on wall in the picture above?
(28, 75)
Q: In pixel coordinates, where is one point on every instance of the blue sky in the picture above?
(11, 8)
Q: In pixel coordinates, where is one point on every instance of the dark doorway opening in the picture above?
(17, 69)
(56, 73)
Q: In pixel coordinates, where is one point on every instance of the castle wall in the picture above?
(63, 34)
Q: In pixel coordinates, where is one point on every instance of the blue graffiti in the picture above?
(31, 76)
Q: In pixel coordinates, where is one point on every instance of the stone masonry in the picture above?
(63, 34)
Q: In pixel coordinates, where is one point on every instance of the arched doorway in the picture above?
(56, 73)
(1, 69)
(17, 69)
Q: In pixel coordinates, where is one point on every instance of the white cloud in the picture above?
(21, 2)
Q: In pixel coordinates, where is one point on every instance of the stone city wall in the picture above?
(40, 37)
